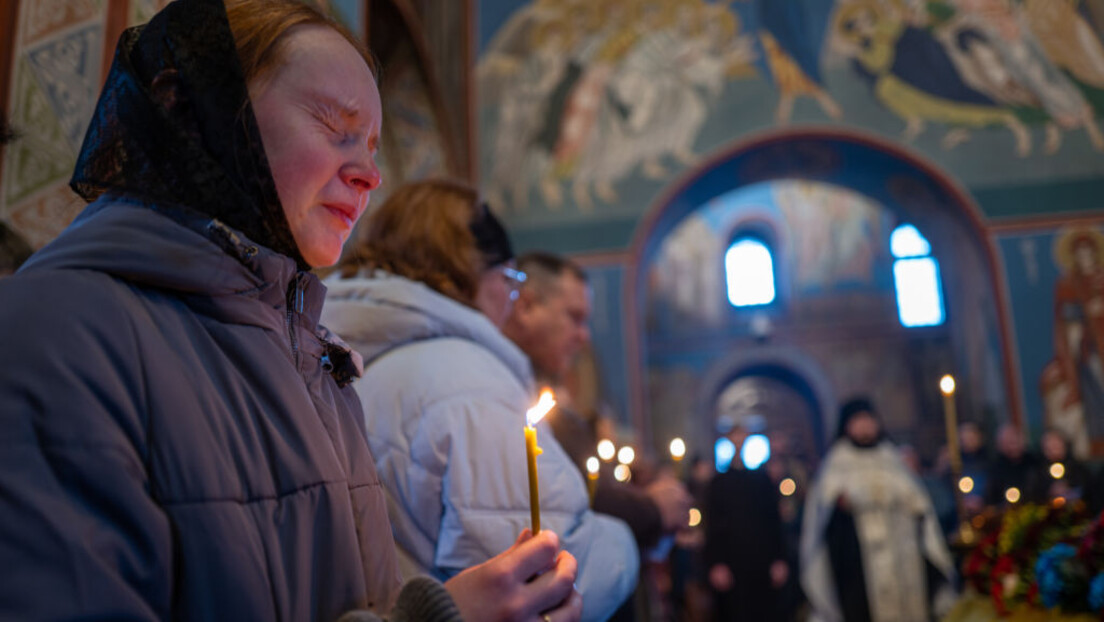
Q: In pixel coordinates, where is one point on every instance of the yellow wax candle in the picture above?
(535, 414)
(592, 478)
(950, 417)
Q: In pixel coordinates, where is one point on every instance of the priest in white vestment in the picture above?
(871, 547)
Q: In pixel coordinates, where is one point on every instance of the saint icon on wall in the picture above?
(1073, 383)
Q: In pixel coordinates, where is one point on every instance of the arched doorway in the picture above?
(913, 190)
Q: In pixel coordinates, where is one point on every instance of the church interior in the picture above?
(780, 206)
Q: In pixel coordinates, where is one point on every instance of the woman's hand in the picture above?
(532, 581)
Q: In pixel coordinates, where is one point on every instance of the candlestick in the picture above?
(535, 414)
(678, 452)
(950, 418)
(592, 478)
(950, 415)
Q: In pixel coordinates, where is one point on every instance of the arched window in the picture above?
(749, 273)
(916, 278)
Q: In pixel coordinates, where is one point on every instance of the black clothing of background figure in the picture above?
(1094, 494)
(845, 554)
(1008, 473)
(629, 503)
(744, 532)
(1014, 467)
(1058, 473)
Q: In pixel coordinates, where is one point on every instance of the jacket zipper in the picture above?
(294, 305)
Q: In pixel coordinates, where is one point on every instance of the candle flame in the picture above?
(606, 450)
(1057, 470)
(544, 404)
(947, 384)
(695, 517)
(678, 448)
(787, 487)
(592, 465)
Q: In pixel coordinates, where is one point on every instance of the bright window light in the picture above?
(724, 451)
(906, 241)
(749, 270)
(755, 452)
(916, 277)
(919, 297)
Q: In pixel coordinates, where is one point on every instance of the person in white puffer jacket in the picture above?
(445, 395)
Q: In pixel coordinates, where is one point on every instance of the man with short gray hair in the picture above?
(549, 323)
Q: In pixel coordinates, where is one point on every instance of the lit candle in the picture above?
(965, 484)
(606, 450)
(678, 449)
(535, 414)
(592, 477)
(950, 415)
(1057, 470)
(695, 517)
(622, 473)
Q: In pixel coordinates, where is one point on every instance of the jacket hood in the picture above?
(380, 313)
(180, 251)
(174, 125)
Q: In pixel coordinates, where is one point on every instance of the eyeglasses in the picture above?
(515, 277)
(514, 280)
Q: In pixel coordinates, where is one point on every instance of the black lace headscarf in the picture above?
(174, 126)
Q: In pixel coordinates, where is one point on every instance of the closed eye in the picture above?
(335, 125)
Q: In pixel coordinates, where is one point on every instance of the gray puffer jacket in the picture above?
(171, 444)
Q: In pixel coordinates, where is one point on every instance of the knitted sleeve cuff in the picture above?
(423, 599)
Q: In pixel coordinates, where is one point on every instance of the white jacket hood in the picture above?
(381, 312)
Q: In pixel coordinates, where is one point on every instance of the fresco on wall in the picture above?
(1056, 284)
(142, 11)
(57, 66)
(837, 235)
(1073, 383)
(827, 240)
(589, 93)
(412, 146)
(589, 106)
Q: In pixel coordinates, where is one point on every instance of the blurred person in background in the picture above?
(744, 549)
(1014, 467)
(1060, 474)
(418, 296)
(975, 465)
(549, 322)
(938, 488)
(870, 535)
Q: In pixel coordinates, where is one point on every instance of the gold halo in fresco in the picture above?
(1064, 245)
